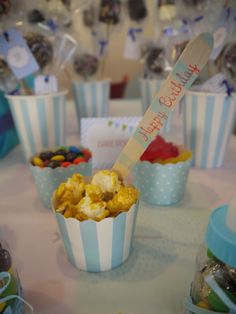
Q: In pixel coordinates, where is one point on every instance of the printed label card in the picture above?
(106, 137)
(17, 54)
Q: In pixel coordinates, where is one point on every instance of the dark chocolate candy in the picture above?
(5, 260)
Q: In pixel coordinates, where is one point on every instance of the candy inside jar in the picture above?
(214, 284)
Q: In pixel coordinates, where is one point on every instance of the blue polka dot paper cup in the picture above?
(98, 246)
(47, 179)
(161, 184)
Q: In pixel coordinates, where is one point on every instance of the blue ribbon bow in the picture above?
(103, 44)
(133, 31)
(229, 88)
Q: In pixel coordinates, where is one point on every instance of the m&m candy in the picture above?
(61, 157)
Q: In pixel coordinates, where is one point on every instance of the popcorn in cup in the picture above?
(96, 220)
(51, 167)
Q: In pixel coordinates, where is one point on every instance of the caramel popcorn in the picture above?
(105, 196)
(123, 200)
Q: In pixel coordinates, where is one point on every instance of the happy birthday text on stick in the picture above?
(176, 90)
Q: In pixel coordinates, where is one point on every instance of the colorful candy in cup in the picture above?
(160, 151)
(109, 12)
(61, 157)
(161, 174)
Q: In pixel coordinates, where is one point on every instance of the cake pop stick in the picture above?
(184, 73)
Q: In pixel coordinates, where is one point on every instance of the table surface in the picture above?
(157, 275)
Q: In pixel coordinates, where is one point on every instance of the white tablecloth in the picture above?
(156, 277)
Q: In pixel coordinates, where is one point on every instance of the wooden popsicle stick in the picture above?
(184, 73)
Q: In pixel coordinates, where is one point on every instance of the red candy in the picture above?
(79, 160)
(65, 164)
(161, 149)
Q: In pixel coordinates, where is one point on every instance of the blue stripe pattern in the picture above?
(57, 118)
(28, 126)
(118, 240)
(221, 131)
(194, 125)
(113, 256)
(35, 136)
(97, 99)
(42, 121)
(66, 240)
(76, 98)
(209, 110)
(95, 103)
(90, 244)
(211, 133)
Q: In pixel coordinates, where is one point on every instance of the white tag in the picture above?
(45, 84)
(132, 44)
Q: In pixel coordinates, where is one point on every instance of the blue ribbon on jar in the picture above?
(133, 31)
(5, 277)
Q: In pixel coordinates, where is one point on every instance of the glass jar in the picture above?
(10, 288)
(213, 289)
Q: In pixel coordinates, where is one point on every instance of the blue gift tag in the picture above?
(17, 54)
(223, 29)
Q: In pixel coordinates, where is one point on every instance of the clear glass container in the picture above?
(10, 288)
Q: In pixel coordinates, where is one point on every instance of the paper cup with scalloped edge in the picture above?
(48, 179)
(161, 184)
(149, 88)
(97, 246)
(40, 120)
(208, 121)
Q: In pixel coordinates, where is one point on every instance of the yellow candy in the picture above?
(58, 158)
(204, 305)
(37, 161)
(184, 156)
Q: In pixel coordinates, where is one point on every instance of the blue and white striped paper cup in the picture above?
(149, 88)
(48, 179)
(161, 184)
(208, 121)
(39, 120)
(91, 98)
(98, 246)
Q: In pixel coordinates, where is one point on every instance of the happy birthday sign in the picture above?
(186, 70)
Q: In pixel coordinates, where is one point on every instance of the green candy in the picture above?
(217, 304)
(212, 256)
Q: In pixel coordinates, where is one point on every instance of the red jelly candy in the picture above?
(159, 149)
